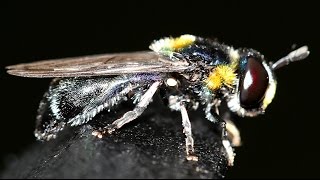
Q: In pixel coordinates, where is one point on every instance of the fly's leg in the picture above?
(226, 144)
(215, 118)
(213, 104)
(130, 115)
(233, 131)
(188, 132)
(177, 103)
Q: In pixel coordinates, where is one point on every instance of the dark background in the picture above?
(281, 143)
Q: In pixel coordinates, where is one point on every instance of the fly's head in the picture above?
(255, 85)
(256, 82)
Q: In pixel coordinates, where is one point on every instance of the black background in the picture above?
(281, 143)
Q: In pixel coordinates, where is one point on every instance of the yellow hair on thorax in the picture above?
(220, 76)
(169, 45)
(182, 41)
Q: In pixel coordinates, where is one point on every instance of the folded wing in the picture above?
(99, 65)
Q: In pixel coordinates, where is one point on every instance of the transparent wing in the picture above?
(98, 65)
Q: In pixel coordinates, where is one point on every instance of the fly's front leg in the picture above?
(215, 118)
(130, 115)
(233, 131)
(188, 132)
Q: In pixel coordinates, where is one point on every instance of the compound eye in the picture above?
(253, 84)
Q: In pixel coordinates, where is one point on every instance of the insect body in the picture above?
(192, 71)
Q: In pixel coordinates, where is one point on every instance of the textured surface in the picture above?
(150, 147)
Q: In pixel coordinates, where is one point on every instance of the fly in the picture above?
(192, 71)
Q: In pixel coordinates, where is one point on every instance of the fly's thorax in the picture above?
(210, 62)
(192, 49)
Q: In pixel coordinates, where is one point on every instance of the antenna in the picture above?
(296, 55)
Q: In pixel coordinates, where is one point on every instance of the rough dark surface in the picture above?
(153, 146)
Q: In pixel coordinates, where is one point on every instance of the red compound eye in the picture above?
(253, 84)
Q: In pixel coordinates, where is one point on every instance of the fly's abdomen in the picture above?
(76, 101)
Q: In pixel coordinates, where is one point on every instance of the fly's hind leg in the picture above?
(130, 115)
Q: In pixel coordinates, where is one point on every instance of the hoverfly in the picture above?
(192, 71)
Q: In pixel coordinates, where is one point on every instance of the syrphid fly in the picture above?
(192, 72)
